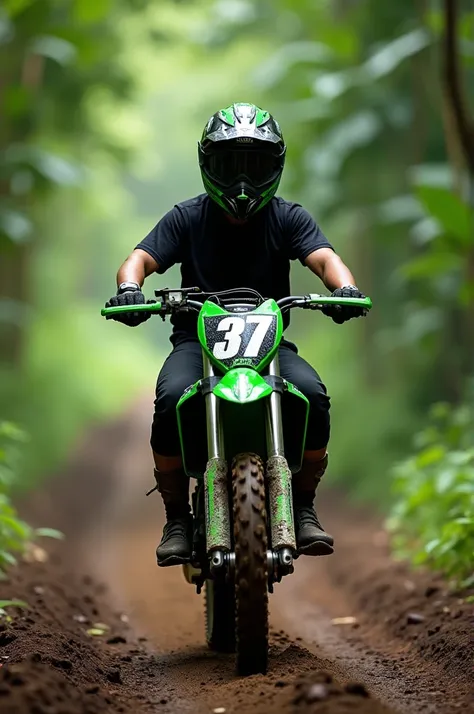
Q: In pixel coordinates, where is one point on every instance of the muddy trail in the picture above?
(106, 631)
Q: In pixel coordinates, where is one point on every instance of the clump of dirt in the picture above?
(49, 662)
(318, 693)
(34, 688)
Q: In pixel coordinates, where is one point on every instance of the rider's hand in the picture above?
(128, 294)
(342, 313)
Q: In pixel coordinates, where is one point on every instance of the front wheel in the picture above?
(251, 577)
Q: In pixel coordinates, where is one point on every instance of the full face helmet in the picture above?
(241, 155)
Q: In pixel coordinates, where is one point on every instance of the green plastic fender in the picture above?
(242, 385)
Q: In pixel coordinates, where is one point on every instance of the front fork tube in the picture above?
(216, 496)
(280, 495)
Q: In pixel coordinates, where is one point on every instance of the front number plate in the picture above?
(240, 339)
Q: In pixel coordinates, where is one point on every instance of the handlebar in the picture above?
(178, 301)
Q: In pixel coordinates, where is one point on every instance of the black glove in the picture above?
(129, 295)
(341, 313)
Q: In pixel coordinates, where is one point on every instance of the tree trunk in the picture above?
(459, 133)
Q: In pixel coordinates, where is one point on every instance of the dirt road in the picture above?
(408, 647)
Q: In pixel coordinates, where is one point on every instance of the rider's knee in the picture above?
(317, 396)
(168, 395)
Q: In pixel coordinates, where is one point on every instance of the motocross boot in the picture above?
(311, 539)
(175, 547)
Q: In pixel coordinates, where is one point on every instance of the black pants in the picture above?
(184, 367)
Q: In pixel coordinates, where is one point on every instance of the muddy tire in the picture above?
(220, 615)
(251, 580)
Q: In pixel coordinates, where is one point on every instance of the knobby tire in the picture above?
(251, 576)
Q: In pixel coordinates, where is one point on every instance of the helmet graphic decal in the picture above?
(241, 155)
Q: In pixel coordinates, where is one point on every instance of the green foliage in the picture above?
(14, 533)
(48, 533)
(432, 520)
(65, 224)
(449, 210)
(11, 603)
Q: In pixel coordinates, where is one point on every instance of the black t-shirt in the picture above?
(216, 254)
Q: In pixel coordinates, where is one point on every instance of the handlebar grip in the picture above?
(120, 309)
(365, 302)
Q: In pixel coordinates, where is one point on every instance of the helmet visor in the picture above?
(259, 167)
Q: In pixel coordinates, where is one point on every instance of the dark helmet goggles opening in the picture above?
(259, 166)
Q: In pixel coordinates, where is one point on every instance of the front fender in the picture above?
(242, 385)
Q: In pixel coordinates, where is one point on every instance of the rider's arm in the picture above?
(157, 252)
(137, 267)
(162, 247)
(328, 266)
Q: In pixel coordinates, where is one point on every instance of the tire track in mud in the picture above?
(113, 535)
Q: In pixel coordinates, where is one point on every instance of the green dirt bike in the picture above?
(242, 429)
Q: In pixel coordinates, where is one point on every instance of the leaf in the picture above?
(16, 226)
(431, 174)
(234, 12)
(445, 480)
(48, 533)
(55, 48)
(12, 432)
(98, 629)
(399, 209)
(430, 456)
(273, 70)
(56, 169)
(13, 603)
(331, 85)
(432, 545)
(388, 58)
(7, 558)
(50, 166)
(452, 213)
(18, 527)
(425, 231)
(348, 135)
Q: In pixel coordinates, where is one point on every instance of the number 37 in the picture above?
(233, 328)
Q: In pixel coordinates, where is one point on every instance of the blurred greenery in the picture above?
(14, 533)
(16, 536)
(433, 519)
(103, 103)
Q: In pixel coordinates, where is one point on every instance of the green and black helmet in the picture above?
(241, 155)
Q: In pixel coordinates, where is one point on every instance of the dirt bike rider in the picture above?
(237, 234)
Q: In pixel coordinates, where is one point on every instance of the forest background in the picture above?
(102, 103)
